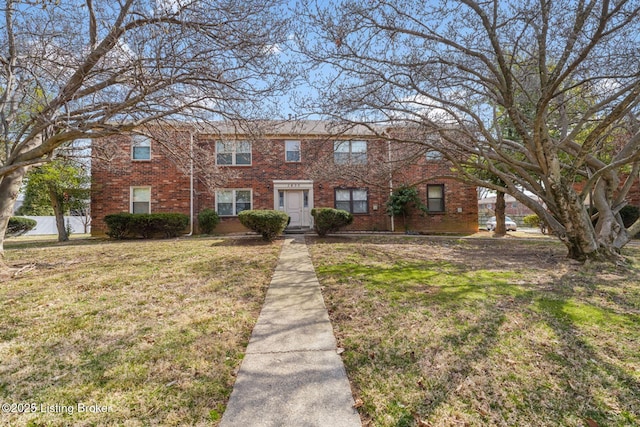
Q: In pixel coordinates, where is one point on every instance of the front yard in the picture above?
(127, 333)
(435, 331)
(444, 332)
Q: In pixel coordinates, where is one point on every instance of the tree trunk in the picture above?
(501, 229)
(580, 237)
(9, 188)
(58, 211)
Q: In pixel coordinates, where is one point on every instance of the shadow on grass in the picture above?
(488, 347)
(244, 241)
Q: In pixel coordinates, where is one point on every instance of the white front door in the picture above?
(293, 207)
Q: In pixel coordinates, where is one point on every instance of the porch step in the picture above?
(298, 230)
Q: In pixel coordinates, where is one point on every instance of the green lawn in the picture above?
(152, 330)
(444, 332)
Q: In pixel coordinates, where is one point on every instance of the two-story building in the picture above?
(292, 167)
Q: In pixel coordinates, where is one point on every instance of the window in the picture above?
(233, 153)
(281, 199)
(435, 198)
(350, 152)
(354, 200)
(433, 155)
(232, 202)
(292, 151)
(140, 148)
(140, 200)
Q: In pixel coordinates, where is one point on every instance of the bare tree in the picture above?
(85, 69)
(540, 94)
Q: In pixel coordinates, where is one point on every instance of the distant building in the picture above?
(513, 208)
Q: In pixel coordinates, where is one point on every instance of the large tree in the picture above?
(564, 75)
(85, 69)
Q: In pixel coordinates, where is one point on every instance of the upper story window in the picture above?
(140, 200)
(435, 198)
(292, 151)
(354, 200)
(433, 155)
(140, 148)
(350, 152)
(233, 153)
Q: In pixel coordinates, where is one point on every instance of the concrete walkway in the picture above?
(291, 374)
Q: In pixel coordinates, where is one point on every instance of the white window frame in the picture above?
(287, 144)
(440, 199)
(434, 156)
(353, 157)
(351, 200)
(234, 200)
(132, 199)
(234, 152)
(140, 141)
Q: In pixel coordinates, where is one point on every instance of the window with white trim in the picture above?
(435, 198)
(233, 153)
(350, 152)
(292, 151)
(433, 155)
(231, 202)
(140, 147)
(140, 200)
(354, 200)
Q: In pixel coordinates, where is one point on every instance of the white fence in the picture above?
(47, 225)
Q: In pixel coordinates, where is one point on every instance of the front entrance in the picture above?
(293, 207)
(296, 199)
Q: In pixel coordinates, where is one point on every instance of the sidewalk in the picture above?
(291, 374)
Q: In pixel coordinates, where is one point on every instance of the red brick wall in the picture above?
(170, 185)
(113, 178)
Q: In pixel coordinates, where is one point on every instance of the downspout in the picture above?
(393, 227)
(190, 183)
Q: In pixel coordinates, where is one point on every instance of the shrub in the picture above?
(142, 225)
(531, 220)
(122, 225)
(268, 223)
(118, 224)
(19, 225)
(534, 220)
(207, 221)
(329, 220)
(171, 224)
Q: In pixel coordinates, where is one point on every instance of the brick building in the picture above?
(292, 167)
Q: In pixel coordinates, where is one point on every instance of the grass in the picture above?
(152, 330)
(445, 332)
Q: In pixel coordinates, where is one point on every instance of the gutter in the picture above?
(393, 227)
(190, 185)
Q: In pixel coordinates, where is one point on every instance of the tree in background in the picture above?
(76, 69)
(565, 74)
(58, 188)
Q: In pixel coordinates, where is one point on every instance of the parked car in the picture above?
(509, 224)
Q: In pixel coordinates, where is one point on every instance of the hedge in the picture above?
(207, 220)
(123, 225)
(268, 223)
(19, 225)
(329, 220)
